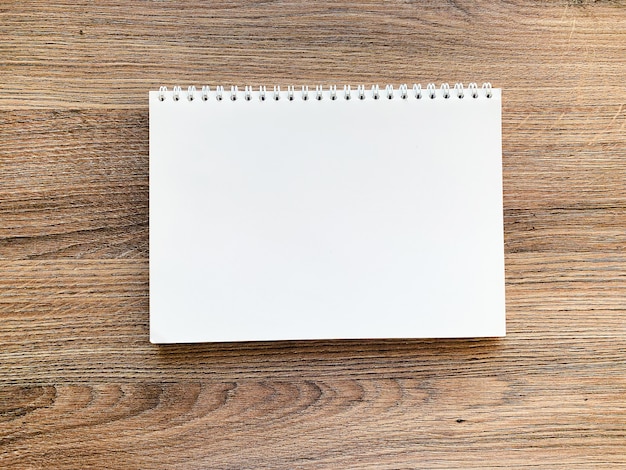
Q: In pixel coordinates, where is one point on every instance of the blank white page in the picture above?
(329, 219)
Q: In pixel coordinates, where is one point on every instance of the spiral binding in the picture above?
(432, 92)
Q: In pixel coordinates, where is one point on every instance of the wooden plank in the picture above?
(81, 321)
(76, 182)
(323, 423)
(81, 54)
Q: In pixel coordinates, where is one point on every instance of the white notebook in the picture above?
(325, 213)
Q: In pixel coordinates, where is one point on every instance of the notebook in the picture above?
(325, 213)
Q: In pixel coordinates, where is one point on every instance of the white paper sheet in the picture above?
(286, 220)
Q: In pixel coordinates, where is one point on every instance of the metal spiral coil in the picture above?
(403, 92)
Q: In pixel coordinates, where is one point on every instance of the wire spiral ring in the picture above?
(432, 91)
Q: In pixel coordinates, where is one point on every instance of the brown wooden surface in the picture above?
(81, 387)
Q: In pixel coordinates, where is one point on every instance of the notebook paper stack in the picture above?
(325, 213)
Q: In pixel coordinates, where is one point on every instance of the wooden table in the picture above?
(80, 385)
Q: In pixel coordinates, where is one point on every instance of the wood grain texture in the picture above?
(81, 386)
